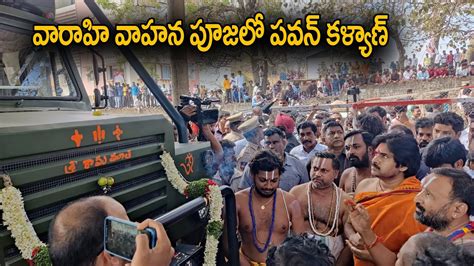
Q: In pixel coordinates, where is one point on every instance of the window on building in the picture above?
(166, 72)
(64, 3)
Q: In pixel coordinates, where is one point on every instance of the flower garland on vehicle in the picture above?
(206, 188)
(16, 220)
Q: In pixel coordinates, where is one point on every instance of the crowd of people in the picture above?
(379, 186)
(362, 188)
(136, 95)
(376, 71)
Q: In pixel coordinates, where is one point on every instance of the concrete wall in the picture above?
(421, 89)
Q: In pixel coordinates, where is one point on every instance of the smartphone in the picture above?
(119, 237)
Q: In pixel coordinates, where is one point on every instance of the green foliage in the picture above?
(197, 188)
(42, 258)
(129, 12)
(440, 19)
(215, 228)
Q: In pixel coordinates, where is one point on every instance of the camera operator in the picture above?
(204, 121)
(76, 236)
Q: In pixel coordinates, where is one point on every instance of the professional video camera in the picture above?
(354, 91)
(202, 117)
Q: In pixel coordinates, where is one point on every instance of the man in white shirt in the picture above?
(240, 80)
(309, 144)
(468, 132)
(469, 167)
(407, 74)
(457, 58)
(414, 62)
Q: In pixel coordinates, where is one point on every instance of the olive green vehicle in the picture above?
(55, 149)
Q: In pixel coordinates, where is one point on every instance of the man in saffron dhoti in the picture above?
(384, 215)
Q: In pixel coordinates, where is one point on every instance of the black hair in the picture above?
(463, 186)
(283, 129)
(251, 134)
(400, 108)
(307, 124)
(331, 123)
(450, 119)
(434, 249)
(444, 150)
(470, 156)
(366, 136)
(274, 130)
(80, 243)
(401, 129)
(301, 250)
(423, 123)
(227, 144)
(324, 155)
(322, 116)
(377, 109)
(370, 123)
(405, 151)
(265, 160)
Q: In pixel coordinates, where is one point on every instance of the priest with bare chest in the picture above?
(266, 214)
(322, 202)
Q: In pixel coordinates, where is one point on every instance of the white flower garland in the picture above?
(175, 178)
(215, 212)
(16, 220)
(215, 205)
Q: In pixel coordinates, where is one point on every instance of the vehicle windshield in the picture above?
(31, 72)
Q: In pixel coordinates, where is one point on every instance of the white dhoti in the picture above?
(334, 243)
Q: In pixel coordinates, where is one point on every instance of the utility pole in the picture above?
(179, 60)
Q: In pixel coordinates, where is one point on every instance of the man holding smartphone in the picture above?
(76, 236)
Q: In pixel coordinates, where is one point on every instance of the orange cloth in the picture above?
(392, 214)
(226, 84)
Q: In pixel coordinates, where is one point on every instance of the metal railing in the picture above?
(197, 204)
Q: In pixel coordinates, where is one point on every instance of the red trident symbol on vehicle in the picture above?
(188, 164)
(99, 134)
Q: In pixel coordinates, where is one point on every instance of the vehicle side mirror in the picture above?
(96, 70)
(98, 97)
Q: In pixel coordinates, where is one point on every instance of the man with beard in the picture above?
(383, 217)
(445, 204)
(289, 124)
(333, 137)
(309, 145)
(424, 131)
(294, 173)
(265, 214)
(322, 202)
(358, 146)
(416, 112)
